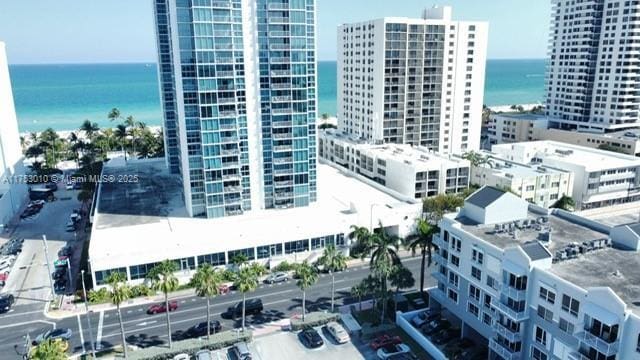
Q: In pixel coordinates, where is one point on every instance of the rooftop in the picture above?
(522, 116)
(505, 168)
(146, 221)
(562, 232)
(610, 267)
(485, 196)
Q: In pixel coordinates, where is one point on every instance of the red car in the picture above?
(385, 340)
(223, 289)
(160, 308)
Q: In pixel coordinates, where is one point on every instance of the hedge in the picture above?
(191, 346)
(313, 319)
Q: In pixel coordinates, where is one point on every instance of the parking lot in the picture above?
(286, 345)
(28, 279)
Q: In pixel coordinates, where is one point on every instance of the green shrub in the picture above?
(98, 296)
(141, 290)
(228, 275)
(313, 319)
(283, 266)
(259, 269)
(191, 346)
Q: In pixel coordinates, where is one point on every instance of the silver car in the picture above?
(277, 277)
(61, 333)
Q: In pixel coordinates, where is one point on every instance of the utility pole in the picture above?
(46, 254)
(86, 309)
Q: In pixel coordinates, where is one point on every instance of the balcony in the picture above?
(281, 111)
(283, 194)
(278, 6)
(514, 293)
(438, 295)
(505, 352)
(221, 4)
(280, 73)
(507, 333)
(281, 98)
(597, 343)
(230, 164)
(285, 160)
(228, 113)
(282, 136)
(233, 201)
(224, 60)
(228, 127)
(232, 189)
(283, 183)
(440, 259)
(279, 33)
(279, 60)
(513, 314)
(437, 240)
(230, 152)
(283, 171)
(283, 148)
(226, 100)
(280, 124)
(231, 177)
(280, 86)
(228, 139)
(440, 277)
(278, 20)
(225, 73)
(277, 47)
(575, 355)
(222, 19)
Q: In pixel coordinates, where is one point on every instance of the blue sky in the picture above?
(77, 31)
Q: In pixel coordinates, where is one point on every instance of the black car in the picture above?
(60, 285)
(200, 329)
(13, 249)
(59, 274)
(66, 251)
(252, 307)
(6, 301)
(443, 336)
(310, 338)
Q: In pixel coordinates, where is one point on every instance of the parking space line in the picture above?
(99, 335)
(84, 350)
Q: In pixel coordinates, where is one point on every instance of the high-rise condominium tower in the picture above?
(413, 81)
(238, 90)
(593, 73)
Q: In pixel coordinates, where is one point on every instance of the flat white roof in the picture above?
(123, 237)
(501, 167)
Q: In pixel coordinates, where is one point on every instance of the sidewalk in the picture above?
(69, 309)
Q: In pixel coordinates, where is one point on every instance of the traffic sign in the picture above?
(60, 262)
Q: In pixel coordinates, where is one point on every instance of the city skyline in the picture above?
(109, 34)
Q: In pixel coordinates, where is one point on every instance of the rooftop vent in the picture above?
(564, 152)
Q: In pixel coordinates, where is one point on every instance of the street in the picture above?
(280, 301)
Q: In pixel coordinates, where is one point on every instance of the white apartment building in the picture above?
(413, 81)
(600, 178)
(412, 172)
(536, 284)
(592, 76)
(535, 183)
(514, 127)
(12, 192)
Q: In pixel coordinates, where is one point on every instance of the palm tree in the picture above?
(382, 246)
(358, 291)
(423, 240)
(119, 293)
(333, 261)
(207, 281)
(307, 275)
(239, 259)
(49, 350)
(121, 136)
(360, 235)
(84, 197)
(382, 269)
(131, 124)
(90, 129)
(401, 278)
(246, 280)
(565, 203)
(114, 114)
(163, 279)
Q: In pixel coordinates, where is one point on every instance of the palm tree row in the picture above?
(131, 137)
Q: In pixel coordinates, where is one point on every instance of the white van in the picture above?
(5, 263)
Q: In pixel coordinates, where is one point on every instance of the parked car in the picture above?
(241, 351)
(203, 354)
(384, 340)
(70, 226)
(3, 278)
(160, 308)
(338, 333)
(392, 350)
(224, 289)
(60, 333)
(310, 338)
(200, 329)
(75, 217)
(424, 317)
(6, 300)
(443, 336)
(252, 306)
(6, 261)
(41, 194)
(35, 204)
(435, 325)
(181, 357)
(29, 212)
(277, 277)
(12, 249)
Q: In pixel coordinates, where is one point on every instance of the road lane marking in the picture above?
(145, 323)
(22, 313)
(29, 322)
(84, 350)
(99, 335)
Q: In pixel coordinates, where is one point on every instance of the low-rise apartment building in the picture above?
(538, 284)
(536, 183)
(505, 128)
(625, 141)
(600, 177)
(414, 172)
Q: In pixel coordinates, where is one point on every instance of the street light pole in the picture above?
(86, 309)
(46, 254)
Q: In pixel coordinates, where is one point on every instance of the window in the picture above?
(530, 188)
(473, 309)
(547, 295)
(476, 273)
(456, 244)
(455, 261)
(477, 256)
(453, 295)
(486, 318)
(291, 247)
(537, 354)
(541, 336)
(566, 326)
(248, 252)
(266, 251)
(545, 313)
(638, 346)
(212, 259)
(474, 293)
(492, 283)
(487, 301)
(453, 278)
(102, 276)
(570, 305)
(516, 282)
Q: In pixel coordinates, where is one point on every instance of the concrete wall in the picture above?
(507, 208)
(624, 237)
(402, 320)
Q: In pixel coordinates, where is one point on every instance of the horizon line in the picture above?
(155, 62)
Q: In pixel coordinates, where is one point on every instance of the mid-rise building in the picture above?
(413, 172)
(13, 190)
(600, 177)
(536, 284)
(507, 128)
(592, 76)
(413, 81)
(535, 183)
(238, 89)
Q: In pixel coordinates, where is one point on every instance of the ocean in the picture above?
(63, 96)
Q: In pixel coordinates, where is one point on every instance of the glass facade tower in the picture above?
(238, 85)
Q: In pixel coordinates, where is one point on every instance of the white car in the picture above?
(393, 350)
(181, 357)
(338, 332)
(424, 317)
(277, 277)
(69, 186)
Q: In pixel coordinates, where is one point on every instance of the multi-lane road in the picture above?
(280, 301)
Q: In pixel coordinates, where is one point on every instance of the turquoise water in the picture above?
(62, 96)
